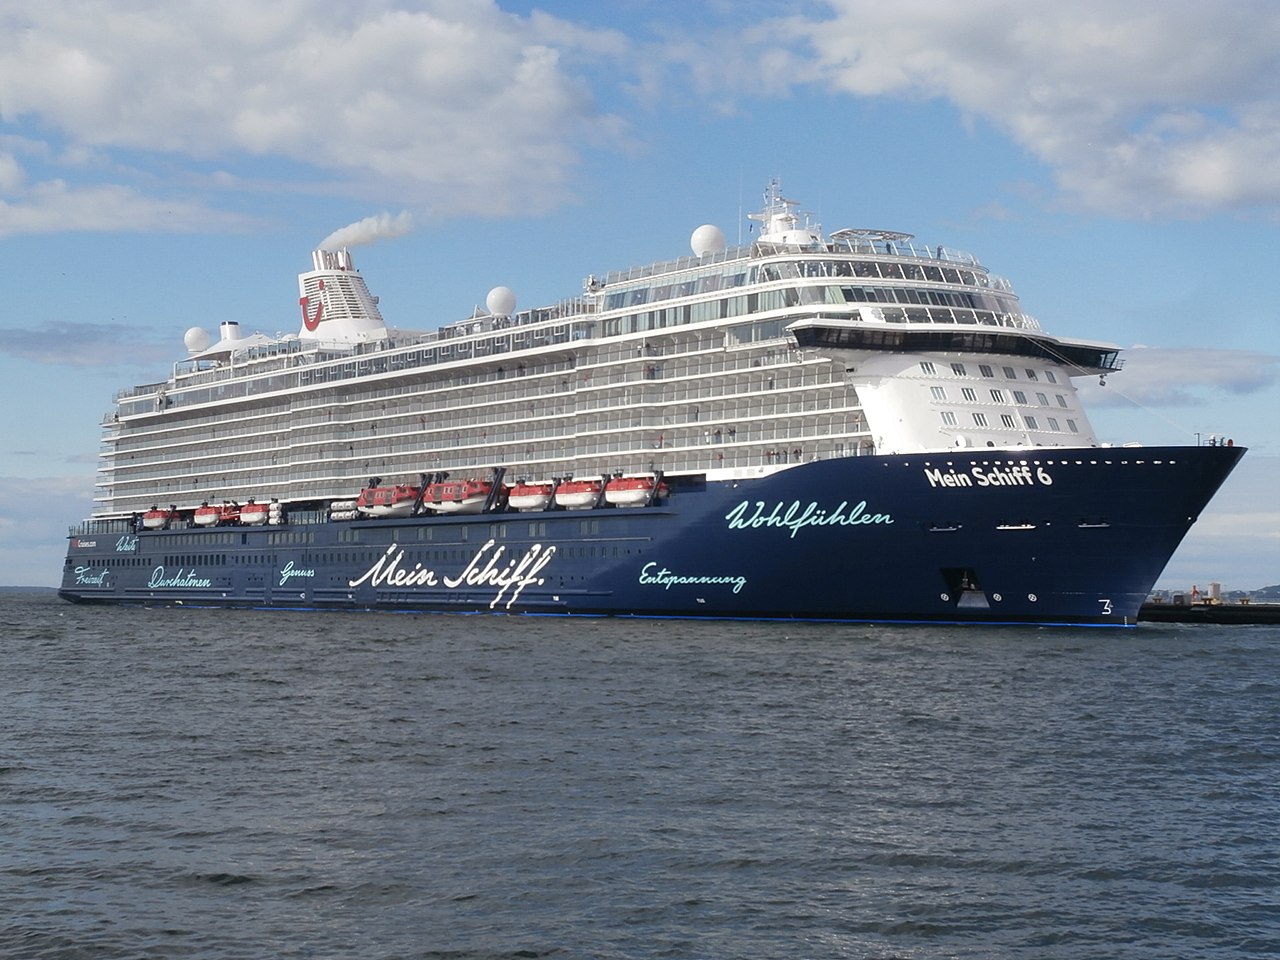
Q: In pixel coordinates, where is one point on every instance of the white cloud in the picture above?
(1179, 377)
(56, 205)
(1144, 109)
(448, 105)
(1153, 108)
(36, 540)
(1236, 541)
(76, 344)
(12, 176)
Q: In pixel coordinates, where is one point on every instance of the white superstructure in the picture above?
(732, 362)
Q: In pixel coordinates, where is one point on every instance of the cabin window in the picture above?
(1031, 423)
(938, 393)
(958, 369)
(979, 419)
(707, 310)
(1010, 373)
(1019, 396)
(735, 306)
(1007, 420)
(926, 367)
(969, 395)
(997, 396)
(948, 418)
(985, 370)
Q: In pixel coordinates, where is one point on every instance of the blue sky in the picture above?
(166, 165)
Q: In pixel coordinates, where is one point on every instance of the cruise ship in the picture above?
(855, 426)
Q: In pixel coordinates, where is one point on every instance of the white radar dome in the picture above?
(501, 301)
(196, 339)
(708, 238)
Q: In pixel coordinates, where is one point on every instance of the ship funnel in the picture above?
(332, 259)
(336, 304)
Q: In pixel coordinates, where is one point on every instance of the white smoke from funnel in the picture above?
(382, 227)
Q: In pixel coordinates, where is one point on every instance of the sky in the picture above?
(165, 165)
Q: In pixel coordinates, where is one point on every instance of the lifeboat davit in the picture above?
(530, 496)
(157, 519)
(396, 501)
(457, 496)
(578, 494)
(634, 491)
(207, 516)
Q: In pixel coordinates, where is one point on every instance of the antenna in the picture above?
(739, 206)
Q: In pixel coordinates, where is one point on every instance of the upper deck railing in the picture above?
(483, 334)
(899, 245)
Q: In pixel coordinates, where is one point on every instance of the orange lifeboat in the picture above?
(527, 495)
(207, 516)
(394, 501)
(578, 494)
(634, 491)
(254, 513)
(458, 496)
(157, 519)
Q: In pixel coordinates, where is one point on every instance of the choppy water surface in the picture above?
(195, 783)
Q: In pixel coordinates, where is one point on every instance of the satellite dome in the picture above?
(501, 301)
(708, 238)
(196, 339)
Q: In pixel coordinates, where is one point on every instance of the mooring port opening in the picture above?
(964, 588)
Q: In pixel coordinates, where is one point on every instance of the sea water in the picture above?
(252, 784)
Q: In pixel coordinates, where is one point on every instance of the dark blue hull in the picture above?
(1053, 536)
